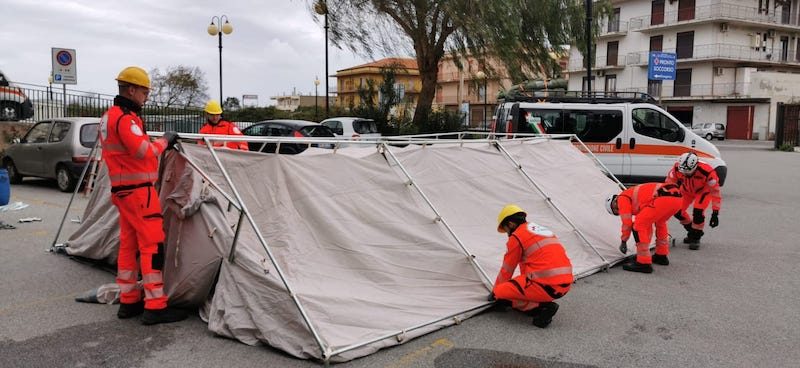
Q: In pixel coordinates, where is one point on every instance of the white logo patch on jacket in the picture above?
(135, 129)
(539, 229)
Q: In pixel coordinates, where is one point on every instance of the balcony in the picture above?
(731, 13)
(717, 91)
(602, 62)
(613, 28)
(727, 52)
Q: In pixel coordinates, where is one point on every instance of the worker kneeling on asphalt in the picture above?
(545, 269)
(651, 204)
(699, 185)
(216, 125)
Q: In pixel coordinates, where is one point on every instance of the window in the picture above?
(613, 22)
(400, 91)
(39, 133)
(784, 48)
(654, 88)
(541, 121)
(585, 88)
(685, 46)
(656, 125)
(763, 6)
(59, 132)
(611, 53)
(364, 126)
(656, 43)
(593, 126)
(720, 127)
(335, 126)
(89, 135)
(611, 83)
(3, 81)
(683, 83)
(657, 12)
(685, 10)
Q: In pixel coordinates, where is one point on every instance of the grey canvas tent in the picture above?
(334, 254)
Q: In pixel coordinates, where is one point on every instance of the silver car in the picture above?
(710, 131)
(54, 149)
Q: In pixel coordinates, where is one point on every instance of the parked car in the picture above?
(353, 128)
(14, 104)
(287, 128)
(710, 131)
(54, 149)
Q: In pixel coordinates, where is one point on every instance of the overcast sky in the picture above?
(275, 46)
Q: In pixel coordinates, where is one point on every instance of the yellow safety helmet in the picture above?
(213, 107)
(134, 75)
(508, 210)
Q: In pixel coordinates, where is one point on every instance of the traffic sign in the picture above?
(662, 66)
(64, 67)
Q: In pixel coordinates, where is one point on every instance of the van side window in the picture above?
(540, 121)
(501, 120)
(656, 125)
(593, 126)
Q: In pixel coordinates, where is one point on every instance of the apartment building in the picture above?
(736, 59)
(407, 80)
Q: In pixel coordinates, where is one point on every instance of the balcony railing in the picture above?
(613, 27)
(601, 62)
(729, 90)
(721, 51)
(715, 11)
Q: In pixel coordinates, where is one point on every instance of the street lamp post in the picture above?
(214, 30)
(316, 96)
(482, 75)
(321, 8)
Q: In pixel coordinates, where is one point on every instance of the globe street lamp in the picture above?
(481, 75)
(316, 95)
(321, 8)
(214, 30)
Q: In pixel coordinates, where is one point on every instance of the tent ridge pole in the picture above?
(263, 242)
(411, 181)
(550, 202)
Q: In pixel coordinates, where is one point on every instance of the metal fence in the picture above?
(27, 102)
(787, 129)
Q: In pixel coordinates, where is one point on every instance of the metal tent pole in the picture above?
(325, 350)
(548, 199)
(74, 193)
(597, 160)
(412, 182)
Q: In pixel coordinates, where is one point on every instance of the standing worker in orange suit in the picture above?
(650, 204)
(699, 185)
(545, 269)
(216, 125)
(132, 162)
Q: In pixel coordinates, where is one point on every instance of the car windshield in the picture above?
(365, 126)
(89, 135)
(316, 131)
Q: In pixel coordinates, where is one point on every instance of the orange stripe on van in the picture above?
(12, 91)
(643, 149)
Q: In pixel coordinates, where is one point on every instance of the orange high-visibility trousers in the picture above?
(658, 213)
(526, 295)
(699, 203)
(141, 230)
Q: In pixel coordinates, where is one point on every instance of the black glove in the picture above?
(714, 222)
(623, 246)
(171, 138)
(490, 298)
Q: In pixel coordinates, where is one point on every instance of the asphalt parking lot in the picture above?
(733, 303)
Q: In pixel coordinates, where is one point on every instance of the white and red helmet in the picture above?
(687, 163)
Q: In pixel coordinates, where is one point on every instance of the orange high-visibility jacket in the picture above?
(539, 254)
(224, 127)
(129, 155)
(633, 199)
(703, 181)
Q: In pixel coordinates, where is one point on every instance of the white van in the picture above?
(637, 140)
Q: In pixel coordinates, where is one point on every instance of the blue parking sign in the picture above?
(661, 66)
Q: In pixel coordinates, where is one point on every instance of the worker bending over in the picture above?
(545, 269)
(699, 185)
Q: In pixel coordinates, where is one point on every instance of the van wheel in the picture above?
(64, 179)
(9, 111)
(709, 137)
(14, 177)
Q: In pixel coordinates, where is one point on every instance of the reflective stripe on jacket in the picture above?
(539, 255)
(704, 180)
(129, 155)
(224, 127)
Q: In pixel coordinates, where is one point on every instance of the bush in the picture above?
(786, 147)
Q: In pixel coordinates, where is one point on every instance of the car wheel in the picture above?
(9, 111)
(14, 177)
(64, 179)
(709, 137)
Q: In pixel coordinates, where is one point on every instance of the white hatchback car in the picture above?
(353, 128)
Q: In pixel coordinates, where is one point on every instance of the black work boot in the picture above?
(543, 314)
(130, 310)
(693, 239)
(638, 267)
(166, 315)
(660, 259)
